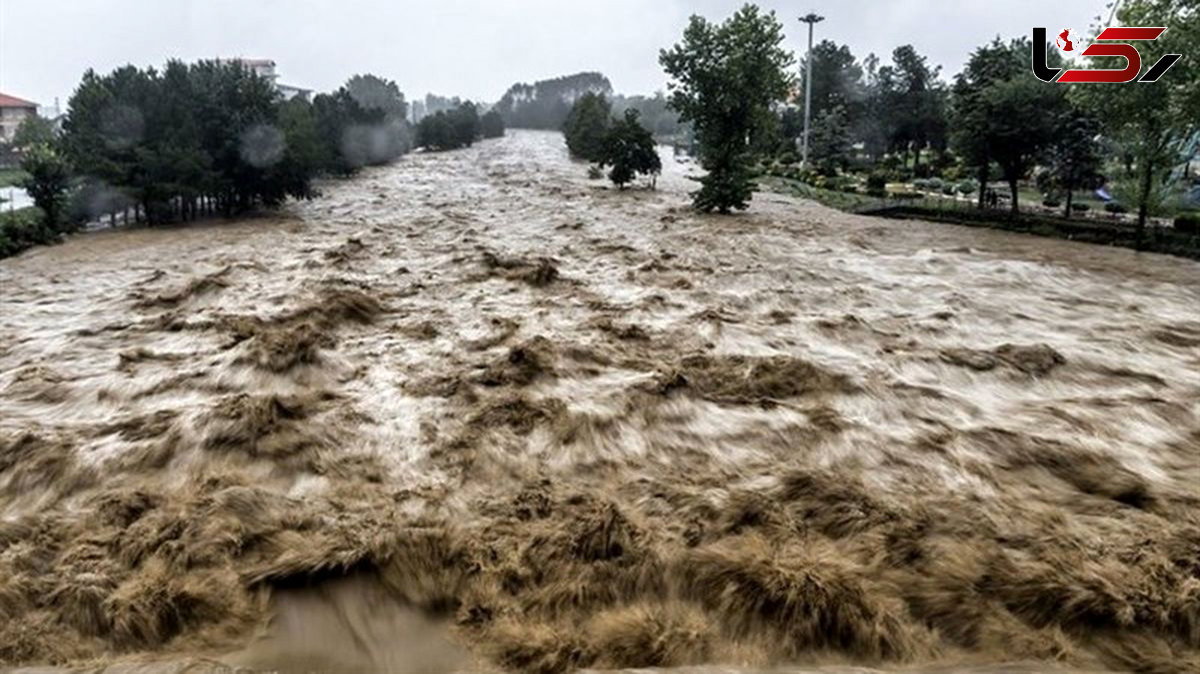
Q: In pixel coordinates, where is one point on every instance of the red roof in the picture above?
(7, 101)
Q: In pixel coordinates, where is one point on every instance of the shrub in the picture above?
(1115, 207)
(877, 180)
(948, 189)
(968, 186)
(1188, 223)
(876, 192)
(1079, 208)
(24, 229)
(595, 172)
(839, 183)
(906, 195)
(1051, 202)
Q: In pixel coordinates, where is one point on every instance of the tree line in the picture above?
(450, 129)
(733, 83)
(211, 138)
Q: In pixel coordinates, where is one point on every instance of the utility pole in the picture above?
(811, 19)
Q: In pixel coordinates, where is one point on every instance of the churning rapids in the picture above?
(474, 411)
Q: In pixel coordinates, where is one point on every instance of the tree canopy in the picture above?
(450, 129)
(630, 150)
(725, 78)
(586, 126)
(214, 136)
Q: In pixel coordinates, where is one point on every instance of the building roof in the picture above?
(7, 101)
(249, 62)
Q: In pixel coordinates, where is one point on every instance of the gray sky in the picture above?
(472, 48)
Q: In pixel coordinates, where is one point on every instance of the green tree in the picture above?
(491, 125)
(1022, 118)
(629, 149)
(205, 137)
(830, 142)
(49, 178)
(837, 80)
(435, 132)
(973, 104)
(1074, 157)
(449, 129)
(33, 130)
(914, 101)
(465, 121)
(376, 93)
(725, 78)
(1147, 122)
(587, 126)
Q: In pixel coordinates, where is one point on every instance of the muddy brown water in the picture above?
(475, 411)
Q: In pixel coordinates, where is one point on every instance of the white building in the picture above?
(13, 111)
(265, 68)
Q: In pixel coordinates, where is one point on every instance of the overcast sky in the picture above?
(471, 48)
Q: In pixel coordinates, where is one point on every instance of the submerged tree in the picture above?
(587, 126)
(725, 79)
(491, 125)
(629, 149)
(449, 129)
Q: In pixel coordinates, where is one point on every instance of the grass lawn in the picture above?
(845, 201)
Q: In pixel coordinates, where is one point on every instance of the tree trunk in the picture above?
(1067, 212)
(983, 176)
(1144, 207)
(1012, 186)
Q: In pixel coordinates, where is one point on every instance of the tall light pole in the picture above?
(811, 19)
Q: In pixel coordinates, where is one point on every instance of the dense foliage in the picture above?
(491, 125)
(630, 150)
(450, 129)
(726, 78)
(49, 178)
(213, 137)
(1149, 124)
(587, 125)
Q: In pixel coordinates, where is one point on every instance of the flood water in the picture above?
(474, 411)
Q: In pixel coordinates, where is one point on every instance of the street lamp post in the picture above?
(810, 19)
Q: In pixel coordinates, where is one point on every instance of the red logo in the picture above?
(1133, 59)
(1066, 40)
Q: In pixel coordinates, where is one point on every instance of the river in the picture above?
(474, 410)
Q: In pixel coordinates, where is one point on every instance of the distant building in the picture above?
(289, 92)
(13, 111)
(265, 68)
